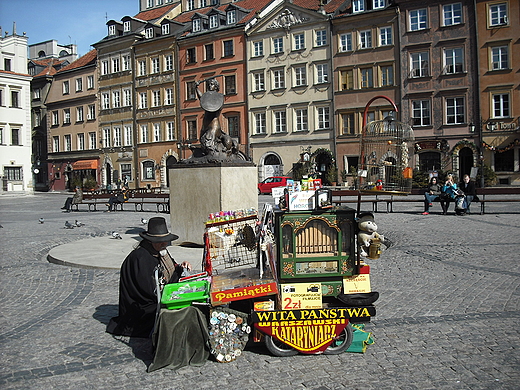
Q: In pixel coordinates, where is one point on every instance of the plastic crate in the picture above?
(179, 295)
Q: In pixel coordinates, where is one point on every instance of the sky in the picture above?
(82, 22)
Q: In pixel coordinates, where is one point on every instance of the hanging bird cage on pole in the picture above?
(385, 159)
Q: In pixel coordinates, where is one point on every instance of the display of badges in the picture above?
(228, 335)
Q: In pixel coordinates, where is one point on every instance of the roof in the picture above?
(155, 13)
(251, 5)
(15, 73)
(331, 7)
(87, 59)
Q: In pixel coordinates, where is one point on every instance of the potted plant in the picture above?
(332, 175)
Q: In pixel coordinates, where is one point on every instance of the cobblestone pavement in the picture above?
(447, 317)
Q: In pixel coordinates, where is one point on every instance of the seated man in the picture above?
(138, 301)
(468, 187)
(76, 199)
(121, 197)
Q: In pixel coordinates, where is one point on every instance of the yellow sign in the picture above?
(297, 296)
(356, 284)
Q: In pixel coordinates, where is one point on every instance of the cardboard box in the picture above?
(303, 200)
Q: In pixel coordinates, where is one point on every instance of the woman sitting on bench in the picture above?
(432, 193)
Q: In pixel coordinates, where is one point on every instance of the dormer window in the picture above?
(379, 4)
(358, 6)
(231, 17)
(126, 26)
(112, 30)
(195, 25)
(213, 21)
(149, 33)
(165, 29)
(190, 4)
(149, 4)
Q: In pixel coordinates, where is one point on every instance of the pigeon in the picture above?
(144, 221)
(41, 220)
(68, 225)
(79, 224)
(116, 235)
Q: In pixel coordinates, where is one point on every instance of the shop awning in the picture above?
(85, 164)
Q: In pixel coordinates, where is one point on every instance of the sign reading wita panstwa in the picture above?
(308, 331)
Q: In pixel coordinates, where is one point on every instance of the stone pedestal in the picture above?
(198, 190)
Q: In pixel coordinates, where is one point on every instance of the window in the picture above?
(322, 73)
(116, 99)
(501, 105)
(55, 118)
(498, 14)
(278, 78)
(156, 132)
(365, 39)
(258, 48)
(55, 144)
(126, 171)
(66, 88)
(128, 135)
(348, 125)
(90, 82)
(259, 82)
(228, 48)
(168, 62)
(104, 67)
(66, 116)
(505, 161)
(36, 94)
(126, 62)
(117, 137)
(321, 38)
(191, 89)
(143, 101)
(421, 114)
(367, 80)
(230, 85)
(347, 79)
(213, 21)
(378, 4)
(301, 119)
(68, 142)
(195, 25)
(358, 6)
(91, 115)
(299, 41)
(300, 76)
(231, 17)
(155, 65)
(499, 58)
(106, 137)
(105, 100)
(192, 128)
(156, 98)
(142, 68)
(37, 119)
(79, 114)
(165, 29)
(190, 4)
(345, 42)
(144, 134)
(455, 111)
(387, 75)
(13, 173)
(149, 4)
(112, 29)
(81, 141)
(280, 121)
(323, 118)
(191, 55)
(385, 36)
(148, 170)
(170, 131)
(127, 97)
(233, 126)
(453, 60)
(260, 122)
(15, 100)
(1, 136)
(168, 96)
(126, 26)
(92, 140)
(148, 33)
(277, 45)
(79, 85)
(7, 64)
(452, 14)
(15, 137)
(418, 20)
(1, 97)
(116, 65)
(209, 52)
(419, 64)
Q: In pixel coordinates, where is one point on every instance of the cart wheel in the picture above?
(277, 348)
(341, 343)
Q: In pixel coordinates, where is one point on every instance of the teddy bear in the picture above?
(368, 234)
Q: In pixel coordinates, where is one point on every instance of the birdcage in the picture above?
(385, 155)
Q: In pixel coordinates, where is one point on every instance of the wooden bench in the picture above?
(138, 198)
(161, 201)
(355, 196)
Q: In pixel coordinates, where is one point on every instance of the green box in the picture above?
(184, 293)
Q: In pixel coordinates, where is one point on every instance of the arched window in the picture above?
(41, 54)
(63, 53)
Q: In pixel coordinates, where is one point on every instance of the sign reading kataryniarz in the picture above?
(314, 314)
